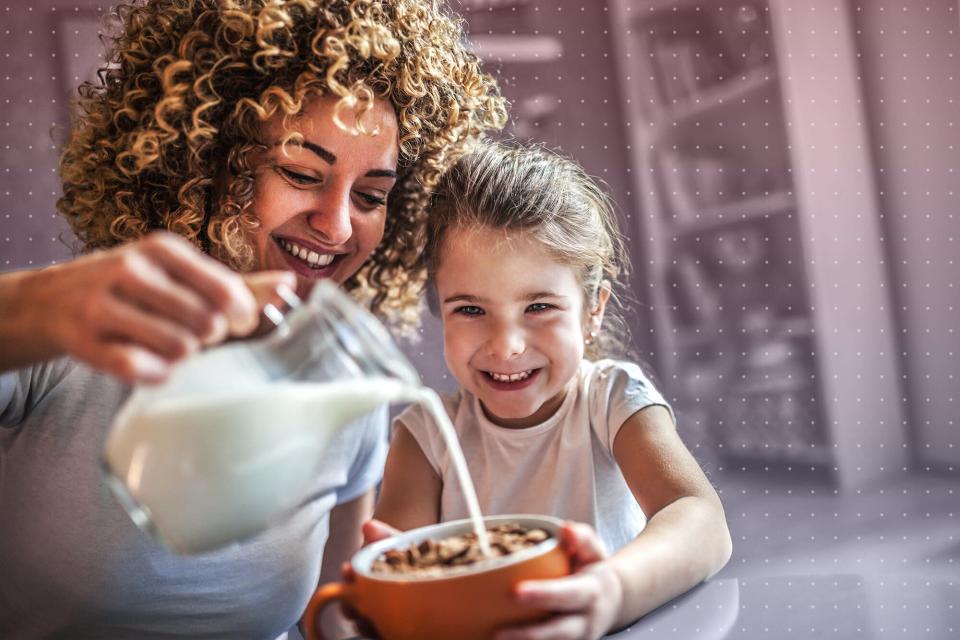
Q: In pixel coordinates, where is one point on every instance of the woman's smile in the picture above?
(321, 198)
(308, 260)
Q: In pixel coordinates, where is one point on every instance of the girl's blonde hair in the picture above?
(189, 83)
(528, 189)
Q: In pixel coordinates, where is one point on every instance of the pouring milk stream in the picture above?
(229, 444)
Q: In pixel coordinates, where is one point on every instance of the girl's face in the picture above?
(322, 203)
(512, 323)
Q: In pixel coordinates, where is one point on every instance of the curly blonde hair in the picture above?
(189, 83)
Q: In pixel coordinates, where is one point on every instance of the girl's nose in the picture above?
(331, 217)
(506, 342)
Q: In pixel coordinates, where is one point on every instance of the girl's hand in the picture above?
(585, 604)
(134, 310)
(374, 530)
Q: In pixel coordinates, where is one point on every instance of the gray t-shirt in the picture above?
(73, 564)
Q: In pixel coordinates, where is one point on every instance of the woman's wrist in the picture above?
(25, 322)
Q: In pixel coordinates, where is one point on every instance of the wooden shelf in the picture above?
(516, 49)
(687, 338)
(784, 327)
(819, 455)
(734, 91)
(488, 5)
(652, 7)
(769, 387)
(684, 132)
(714, 218)
(799, 326)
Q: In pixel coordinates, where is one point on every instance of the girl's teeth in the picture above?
(510, 377)
(312, 258)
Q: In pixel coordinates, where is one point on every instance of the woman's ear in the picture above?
(595, 317)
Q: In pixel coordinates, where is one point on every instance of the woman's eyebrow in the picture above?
(330, 158)
(325, 155)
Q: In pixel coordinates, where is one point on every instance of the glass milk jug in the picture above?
(230, 443)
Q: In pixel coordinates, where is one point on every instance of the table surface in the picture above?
(819, 606)
(833, 607)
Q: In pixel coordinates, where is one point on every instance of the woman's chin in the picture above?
(305, 284)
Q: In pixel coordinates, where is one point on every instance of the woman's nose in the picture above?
(331, 217)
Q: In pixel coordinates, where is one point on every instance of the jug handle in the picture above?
(274, 314)
(321, 598)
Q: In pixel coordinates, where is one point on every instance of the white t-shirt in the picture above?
(562, 467)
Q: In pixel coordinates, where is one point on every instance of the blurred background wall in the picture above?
(785, 173)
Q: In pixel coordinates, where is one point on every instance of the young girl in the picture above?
(522, 251)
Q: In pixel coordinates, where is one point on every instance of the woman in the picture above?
(226, 138)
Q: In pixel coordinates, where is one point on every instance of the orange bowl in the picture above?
(469, 604)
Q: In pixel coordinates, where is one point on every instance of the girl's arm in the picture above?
(410, 493)
(686, 540)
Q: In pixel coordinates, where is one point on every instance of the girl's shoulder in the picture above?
(422, 426)
(417, 414)
(607, 374)
(615, 390)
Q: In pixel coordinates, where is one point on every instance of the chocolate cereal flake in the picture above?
(433, 558)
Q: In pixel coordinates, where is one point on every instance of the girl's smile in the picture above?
(512, 381)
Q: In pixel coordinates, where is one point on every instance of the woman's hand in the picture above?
(584, 604)
(134, 310)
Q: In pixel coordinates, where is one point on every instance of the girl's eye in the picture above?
(539, 307)
(297, 178)
(469, 310)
